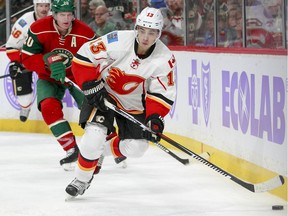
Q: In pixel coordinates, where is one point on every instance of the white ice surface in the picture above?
(33, 183)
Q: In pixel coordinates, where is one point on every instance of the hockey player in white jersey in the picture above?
(135, 71)
(22, 84)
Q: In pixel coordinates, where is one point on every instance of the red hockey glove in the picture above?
(95, 93)
(15, 68)
(156, 123)
(56, 65)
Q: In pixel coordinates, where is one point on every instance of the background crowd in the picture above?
(208, 23)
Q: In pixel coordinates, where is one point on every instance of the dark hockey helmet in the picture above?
(63, 6)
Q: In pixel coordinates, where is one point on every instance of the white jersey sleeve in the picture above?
(20, 30)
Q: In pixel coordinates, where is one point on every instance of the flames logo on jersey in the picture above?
(135, 63)
(123, 83)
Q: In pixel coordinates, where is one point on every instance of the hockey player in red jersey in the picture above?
(22, 85)
(135, 71)
(51, 44)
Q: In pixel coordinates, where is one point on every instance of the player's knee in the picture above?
(93, 140)
(134, 148)
(51, 110)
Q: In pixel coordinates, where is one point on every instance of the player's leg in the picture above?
(96, 124)
(23, 90)
(129, 142)
(49, 96)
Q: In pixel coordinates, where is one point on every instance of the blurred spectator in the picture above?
(176, 7)
(194, 23)
(207, 6)
(171, 35)
(286, 25)
(221, 29)
(223, 8)
(208, 33)
(231, 32)
(85, 15)
(124, 9)
(234, 30)
(265, 25)
(120, 22)
(2, 24)
(101, 25)
(143, 4)
(93, 4)
(158, 4)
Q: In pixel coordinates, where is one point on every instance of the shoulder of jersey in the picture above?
(82, 29)
(26, 19)
(163, 49)
(42, 25)
(120, 36)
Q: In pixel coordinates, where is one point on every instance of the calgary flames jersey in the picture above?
(18, 36)
(128, 78)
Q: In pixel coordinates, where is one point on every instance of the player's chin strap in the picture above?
(270, 184)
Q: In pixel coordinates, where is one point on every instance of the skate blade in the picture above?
(69, 198)
(69, 166)
(124, 164)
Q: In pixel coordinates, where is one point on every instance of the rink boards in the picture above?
(229, 104)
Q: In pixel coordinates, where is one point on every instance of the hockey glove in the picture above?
(15, 68)
(95, 93)
(156, 123)
(56, 66)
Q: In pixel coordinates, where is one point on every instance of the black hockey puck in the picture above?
(277, 207)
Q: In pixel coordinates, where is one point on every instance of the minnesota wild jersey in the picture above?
(43, 38)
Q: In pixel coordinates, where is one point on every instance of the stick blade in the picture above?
(271, 184)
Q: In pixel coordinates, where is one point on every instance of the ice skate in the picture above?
(24, 113)
(121, 161)
(76, 187)
(71, 156)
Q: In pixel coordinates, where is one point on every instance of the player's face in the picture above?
(42, 10)
(64, 19)
(146, 37)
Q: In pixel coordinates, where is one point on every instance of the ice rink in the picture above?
(33, 183)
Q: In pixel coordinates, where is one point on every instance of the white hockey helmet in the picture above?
(41, 1)
(150, 18)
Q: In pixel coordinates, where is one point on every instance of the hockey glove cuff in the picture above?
(95, 93)
(156, 123)
(56, 65)
(15, 68)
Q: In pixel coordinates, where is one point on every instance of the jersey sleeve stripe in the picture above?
(82, 61)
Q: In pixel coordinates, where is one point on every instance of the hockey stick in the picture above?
(260, 187)
(8, 75)
(181, 160)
